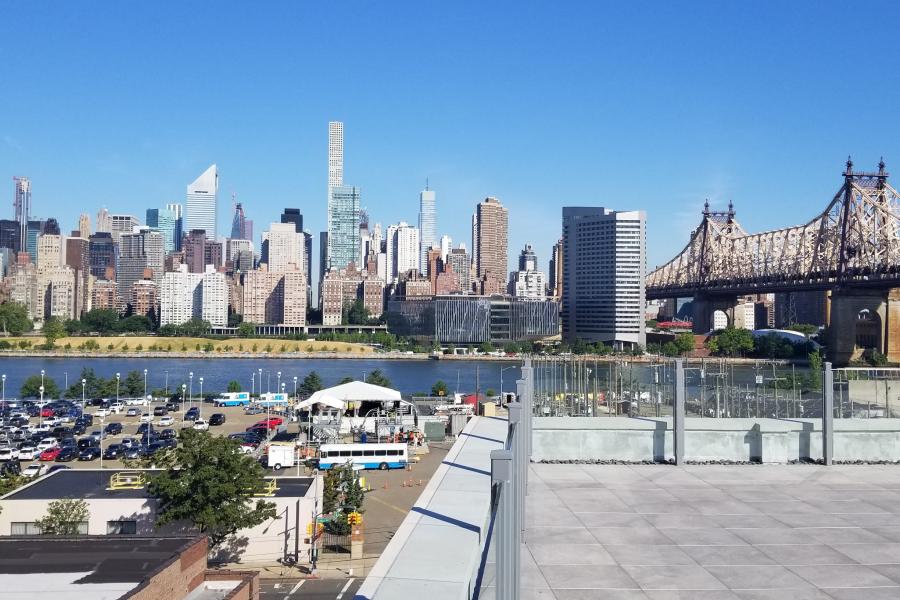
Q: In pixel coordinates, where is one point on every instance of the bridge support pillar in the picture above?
(861, 320)
(705, 306)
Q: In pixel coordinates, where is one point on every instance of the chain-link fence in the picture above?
(866, 393)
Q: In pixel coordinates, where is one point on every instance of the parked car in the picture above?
(102, 412)
(113, 428)
(87, 419)
(136, 401)
(165, 421)
(87, 442)
(50, 454)
(46, 411)
(217, 419)
(98, 435)
(78, 428)
(113, 451)
(117, 406)
(47, 443)
(91, 453)
(132, 412)
(57, 467)
(172, 406)
(192, 414)
(39, 429)
(146, 418)
(129, 443)
(159, 411)
(253, 410)
(134, 452)
(66, 454)
(270, 423)
(9, 453)
(34, 470)
(144, 428)
(28, 452)
(201, 425)
(68, 442)
(52, 421)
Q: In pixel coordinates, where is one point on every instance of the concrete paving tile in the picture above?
(627, 535)
(570, 554)
(727, 555)
(892, 572)
(558, 535)
(773, 536)
(595, 578)
(600, 595)
(673, 578)
(702, 537)
(663, 507)
(811, 554)
(834, 576)
(869, 520)
(550, 516)
(612, 519)
(786, 507)
(812, 520)
(731, 507)
(676, 521)
(794, 594)
(891, 534)
(871, 554)
(642, 554)
(691, 595)
(646, 495)
(871, 593)
(595, 504)
(756, 521)
(843, 535)
(758, 577)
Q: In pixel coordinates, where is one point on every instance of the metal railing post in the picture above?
(507, 537)
(827, 414)
(678, 413)
(516, 442)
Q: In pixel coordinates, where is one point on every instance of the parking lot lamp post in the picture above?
(191, 389)
(145, 383)
(41, 390)
(501, 382)
(201, 398)
(118, 376)
(295, 389)
(259, 379)
(252, 384)
(42, 377)
(100, 441)
(83, 382)
(4, 387)
(278, 383)
(183, 390)
(167, 385)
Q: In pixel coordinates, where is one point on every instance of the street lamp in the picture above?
(83, 382)
(260, 381)
(183, 389)
(4, 387)
(145, 383)
(191, 389)
(501, 381)
(42, 377)
(41, 390)
(278, 384)
(295, 389)
(253, 383)
(201, 398)
(167, 385)
(118, 376)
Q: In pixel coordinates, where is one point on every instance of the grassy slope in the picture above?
(177, 344)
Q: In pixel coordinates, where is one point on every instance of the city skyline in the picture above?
(690, 124)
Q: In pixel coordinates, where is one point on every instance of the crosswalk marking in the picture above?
(344, 589)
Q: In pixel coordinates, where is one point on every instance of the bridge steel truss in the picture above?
(854, 242)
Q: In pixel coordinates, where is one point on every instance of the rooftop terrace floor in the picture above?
(712, 532)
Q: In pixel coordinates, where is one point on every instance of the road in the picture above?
(309, 589)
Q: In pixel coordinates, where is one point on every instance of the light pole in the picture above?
(259, 379)
(201, 398)
(4, 387)
(118, 376)
(278, 384)
(66, 373)
(253, 383)
(167, 385)
(183, 389)
(191, 389)
(41, 390)
(42, 377)
(501, 382)
(83, 382)
(295, 389)
(145, 383)
(282, 391)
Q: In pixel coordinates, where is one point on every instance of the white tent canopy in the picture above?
(355, 391)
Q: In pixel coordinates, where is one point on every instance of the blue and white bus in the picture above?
(233, 399)
(364, 456)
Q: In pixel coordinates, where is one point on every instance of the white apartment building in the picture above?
(528, 284)
(402, 250)
(214, 298)
(604, 261)
(285, 248)
(49, 251)
(185, 296)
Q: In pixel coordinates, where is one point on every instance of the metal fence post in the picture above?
(678, 413)
(507, 537)
(517, 431)
(828, 414)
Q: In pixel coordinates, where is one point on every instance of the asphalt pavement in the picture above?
(309, 589)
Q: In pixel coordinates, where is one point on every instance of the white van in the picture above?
(281, 455)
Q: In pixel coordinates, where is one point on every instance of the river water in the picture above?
(407, 376)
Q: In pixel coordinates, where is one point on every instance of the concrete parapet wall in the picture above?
(766, 440)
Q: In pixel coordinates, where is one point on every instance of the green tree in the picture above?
(684, 342)
(490, 393)
(815, 370)
(133, 385)
(53, 329)
(234, 386)
(439, 388)
(731, 342)
(101, 320)
(31, 388)
(63, 517)
(194, 328)
(311, 384)
(804, 328)
(377, 377)
(511, 348)
(357, 313)
(344, 380)
(135, 324)
(212, 485)
(14, 319)
(486, 347)
(246, 329)
(773, 346)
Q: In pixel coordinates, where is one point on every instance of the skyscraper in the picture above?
(179, 222)
(335, 154)
(528, 281)
(239, 224)
(459, 261)
(202, 203)
(138, 252)
(556, 274)
(164, 221)
(22, 203)
(102, 253)
(427, 226)
(104, 221)
(402, 250)
(84, 226)
(343, 226)
(292, 215)
(490, 225)
(284, 248)
(603, 276)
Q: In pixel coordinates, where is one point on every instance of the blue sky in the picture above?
(542, 104)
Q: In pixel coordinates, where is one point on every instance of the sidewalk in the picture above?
(329, 566)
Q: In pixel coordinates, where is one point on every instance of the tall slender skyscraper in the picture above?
(239, 223)
(335, 154)
(84, 226)
(490, 226)
(22, 203)
(164, 221)
(427, 226)
(202, 203)
(176, 209)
